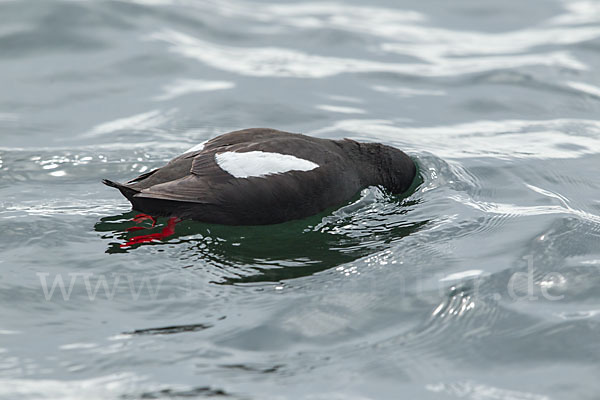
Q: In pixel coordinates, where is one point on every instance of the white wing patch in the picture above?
(260, 163)
(198, 147)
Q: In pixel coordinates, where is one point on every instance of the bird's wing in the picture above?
(188, 186)
(179, 167)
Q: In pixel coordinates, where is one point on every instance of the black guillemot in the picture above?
(265, 176)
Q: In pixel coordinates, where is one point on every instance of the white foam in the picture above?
(260, 163)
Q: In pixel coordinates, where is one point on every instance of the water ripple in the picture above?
(283, 62)
(139, 122)
(477, 391)
(521, 211)
(509, 139)
(497, 102)
(186, 86)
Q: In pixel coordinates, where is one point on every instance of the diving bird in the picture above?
(265, 176)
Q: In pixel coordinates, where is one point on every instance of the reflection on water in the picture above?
(272, 253)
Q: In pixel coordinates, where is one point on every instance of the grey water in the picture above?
(483, 283)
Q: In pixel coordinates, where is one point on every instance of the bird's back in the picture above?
(254, 176)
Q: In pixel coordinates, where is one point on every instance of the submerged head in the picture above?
(383, 165)
(397, 169)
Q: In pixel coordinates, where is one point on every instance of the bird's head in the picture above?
(383, 165)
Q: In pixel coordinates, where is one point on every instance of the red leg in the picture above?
(166, 232)
(140, 218)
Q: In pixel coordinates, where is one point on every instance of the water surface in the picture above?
(482, 284)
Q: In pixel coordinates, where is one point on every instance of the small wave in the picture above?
(182, 87)
(139, 122)
(578, 13)
(340, 109)
(94, 388)
(410, 30)
(283, 62)
(61, 207)
(508, 139)
(478, 391)
(120, 385)
(521, 211)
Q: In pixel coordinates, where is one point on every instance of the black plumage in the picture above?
(194, 186)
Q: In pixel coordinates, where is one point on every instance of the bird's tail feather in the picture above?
(125, 190)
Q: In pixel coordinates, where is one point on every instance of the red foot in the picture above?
(142, 217)
(166, 232)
